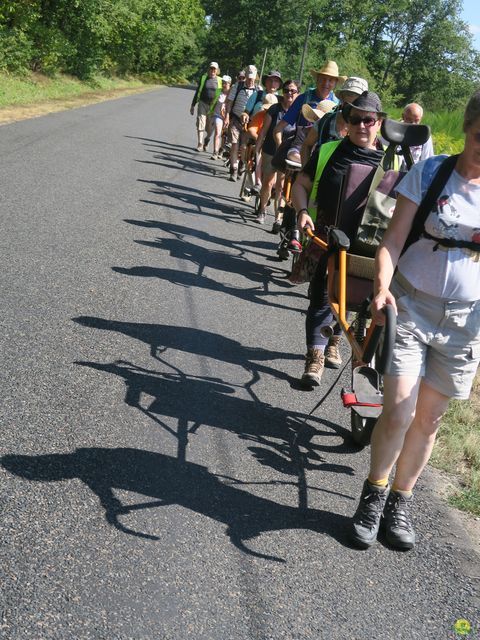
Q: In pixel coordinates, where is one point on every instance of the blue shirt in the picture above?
(294, 114)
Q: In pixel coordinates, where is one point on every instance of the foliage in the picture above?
(407, 49)
(82, 37)
(457, 449)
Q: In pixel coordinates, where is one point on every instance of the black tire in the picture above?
(361, 429)
(283, 253)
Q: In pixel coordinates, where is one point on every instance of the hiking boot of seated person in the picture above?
(314, 364)
(333, 359)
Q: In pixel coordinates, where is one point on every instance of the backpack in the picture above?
(433, 192)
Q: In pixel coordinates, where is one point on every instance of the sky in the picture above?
(471, 15)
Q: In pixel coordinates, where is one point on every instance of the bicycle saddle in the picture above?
(409, 135)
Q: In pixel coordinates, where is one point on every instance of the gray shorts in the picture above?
(437, 339)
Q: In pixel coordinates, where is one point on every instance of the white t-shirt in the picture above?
(218, 107)
(451, 273)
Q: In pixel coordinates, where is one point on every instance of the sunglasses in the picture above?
(369, 121)
(290, 91)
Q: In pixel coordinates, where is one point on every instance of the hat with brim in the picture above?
(352, 85)
(268, 100)
(273, 74)
(330, 68)
(251, 71)
(226, 79)
(366, 101)
(213, 65)
(322, 108)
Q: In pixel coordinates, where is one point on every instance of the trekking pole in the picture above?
(304, 52)
(263, 63)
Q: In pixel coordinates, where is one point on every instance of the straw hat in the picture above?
(330, 68)
(322, 108)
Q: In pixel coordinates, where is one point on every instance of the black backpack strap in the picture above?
(433, 192)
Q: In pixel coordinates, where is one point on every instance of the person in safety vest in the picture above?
(315, 196)
(207, 93)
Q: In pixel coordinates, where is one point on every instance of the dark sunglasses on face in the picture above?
(290, 91)
(368, 121)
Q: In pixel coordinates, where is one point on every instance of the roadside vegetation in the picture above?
(457, 450)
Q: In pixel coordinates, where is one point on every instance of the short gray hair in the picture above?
(472, 112)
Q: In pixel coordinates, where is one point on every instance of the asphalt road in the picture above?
(161, 474)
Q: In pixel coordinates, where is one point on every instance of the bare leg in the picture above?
(234, 156)
(400, 396)
(420, 437)
(266, 190)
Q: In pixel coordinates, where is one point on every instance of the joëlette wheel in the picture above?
(361, 429)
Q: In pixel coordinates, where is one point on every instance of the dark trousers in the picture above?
(319, 313)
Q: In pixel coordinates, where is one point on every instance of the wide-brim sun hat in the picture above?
(268, 100)
(322, 108)
(330, 68)
(353, 84)
(273, 74)
(367, 101)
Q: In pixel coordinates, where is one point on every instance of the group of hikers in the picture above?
(431, 278)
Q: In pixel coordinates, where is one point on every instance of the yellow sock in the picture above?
(378, 483)
(402, 492)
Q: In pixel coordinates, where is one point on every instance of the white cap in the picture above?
(251, 71)
(214, 65)
(226, 79)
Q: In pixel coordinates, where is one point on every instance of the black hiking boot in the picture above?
(399, 529)
(366, 521)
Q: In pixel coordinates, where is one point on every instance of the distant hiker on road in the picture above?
(208, 90)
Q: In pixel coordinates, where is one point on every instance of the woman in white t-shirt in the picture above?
(218, 118)
(436, 293)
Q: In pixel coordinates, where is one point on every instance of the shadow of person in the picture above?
(162, 337)
(166, 481)
(195, 402)
(256, 294)
(206, 258)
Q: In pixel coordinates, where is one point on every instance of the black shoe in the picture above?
(276, 227)
(366, 521)
(399, 529)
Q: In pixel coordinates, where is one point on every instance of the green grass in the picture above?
(457, 450)
(36, 88)
(446, 129)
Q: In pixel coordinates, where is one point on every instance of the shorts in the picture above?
(437, 339)
(267, 169)
(237, 132)
(202, 115)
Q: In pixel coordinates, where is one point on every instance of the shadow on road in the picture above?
(257, 295)
(167, 481)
